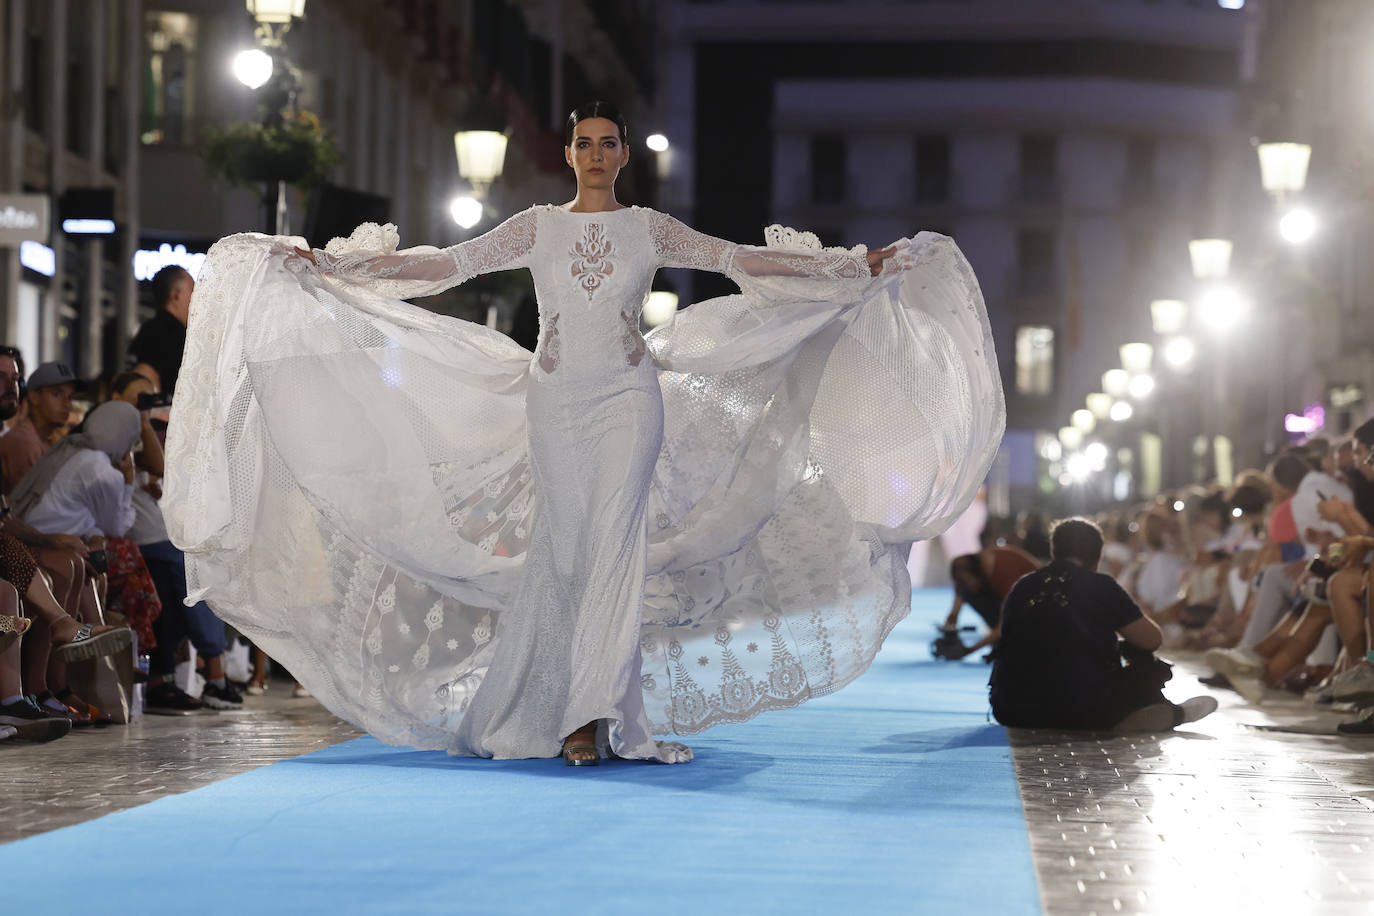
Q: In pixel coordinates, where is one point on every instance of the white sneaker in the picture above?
(1197, 707)
(1250, 687)
(7, 731)
(1234, 663)
(1355, 684)
(300, 692)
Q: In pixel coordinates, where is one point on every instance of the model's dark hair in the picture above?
(1076, 539)
(163, 282)
(596, 110)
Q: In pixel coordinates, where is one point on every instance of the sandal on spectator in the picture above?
(11, 628)
(50, 704)
(91, 641)
(68, 698)
(32, 722)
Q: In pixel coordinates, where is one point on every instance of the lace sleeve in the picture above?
(788, 254)
(369, 257)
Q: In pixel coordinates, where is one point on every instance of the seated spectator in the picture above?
(17, 712)
(982, 581)
(1160, 576)
(48, 406)
(177, 622)
(1058, 664)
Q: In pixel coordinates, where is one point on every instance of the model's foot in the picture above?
(579, 748)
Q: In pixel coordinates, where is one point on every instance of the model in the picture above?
(455, 543)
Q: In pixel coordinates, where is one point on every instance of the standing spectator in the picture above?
(167, 565)
(49, 401)
(157, 347)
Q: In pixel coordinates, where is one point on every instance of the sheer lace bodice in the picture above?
(592, 273)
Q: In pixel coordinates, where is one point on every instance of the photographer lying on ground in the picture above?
(1058, 664)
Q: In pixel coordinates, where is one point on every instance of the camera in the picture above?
(152, 401)
(99, 561)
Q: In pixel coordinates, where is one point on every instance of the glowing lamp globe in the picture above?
(253, 68)
(661, 306)
(1083, 420)
(466, 211)
(1116, 382)
(1169, 316)
(1071, 437)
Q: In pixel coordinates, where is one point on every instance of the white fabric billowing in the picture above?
(457, 544)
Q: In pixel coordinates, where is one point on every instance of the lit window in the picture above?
(170, 53)
(1034, 360)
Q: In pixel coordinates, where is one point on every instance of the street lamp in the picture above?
(275, 17)
(656, 142)
(1136, 357)
(1116, 382)
(480, 143)
(1071, 437)
(1211, 259)
(1222, 308)
(1179, 352)
(1121, 411)
(1100, 403)
(1083, 420)
(1283, 168)
(1169, 315)
(1141, 386)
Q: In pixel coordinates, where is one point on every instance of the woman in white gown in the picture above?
(457, 544)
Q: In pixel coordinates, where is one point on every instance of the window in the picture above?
(169, 89)
(1035, 262)
(1039, 171)
(1034, 360)
(932, 168)
(828, 169)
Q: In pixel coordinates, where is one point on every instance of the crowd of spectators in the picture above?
(87, 572)
(1267, 579)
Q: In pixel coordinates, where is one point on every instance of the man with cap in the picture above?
(49, 403)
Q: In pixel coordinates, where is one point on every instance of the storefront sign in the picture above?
(148, 262)
(38, 257)
(23, 217)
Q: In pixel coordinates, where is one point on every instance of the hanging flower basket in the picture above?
(296, 150)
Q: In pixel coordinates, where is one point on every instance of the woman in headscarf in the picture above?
(84, 486)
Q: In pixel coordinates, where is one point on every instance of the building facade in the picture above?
(1071, 147)
(116, 94)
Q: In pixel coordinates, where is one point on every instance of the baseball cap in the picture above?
(49, 374)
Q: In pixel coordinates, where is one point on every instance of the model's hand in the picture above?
(876, 259)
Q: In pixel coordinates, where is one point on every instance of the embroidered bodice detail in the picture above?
(591, 258)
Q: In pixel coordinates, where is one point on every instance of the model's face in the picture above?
(52, 405)
(9, 387)
(596, 154)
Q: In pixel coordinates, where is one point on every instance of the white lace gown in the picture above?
(457, 544)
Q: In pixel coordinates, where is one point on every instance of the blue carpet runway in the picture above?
(893, 796)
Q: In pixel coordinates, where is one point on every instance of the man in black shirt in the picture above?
(157, 347)
(1058, 664)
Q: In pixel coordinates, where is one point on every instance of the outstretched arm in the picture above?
(679, 245)
(424, 271)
